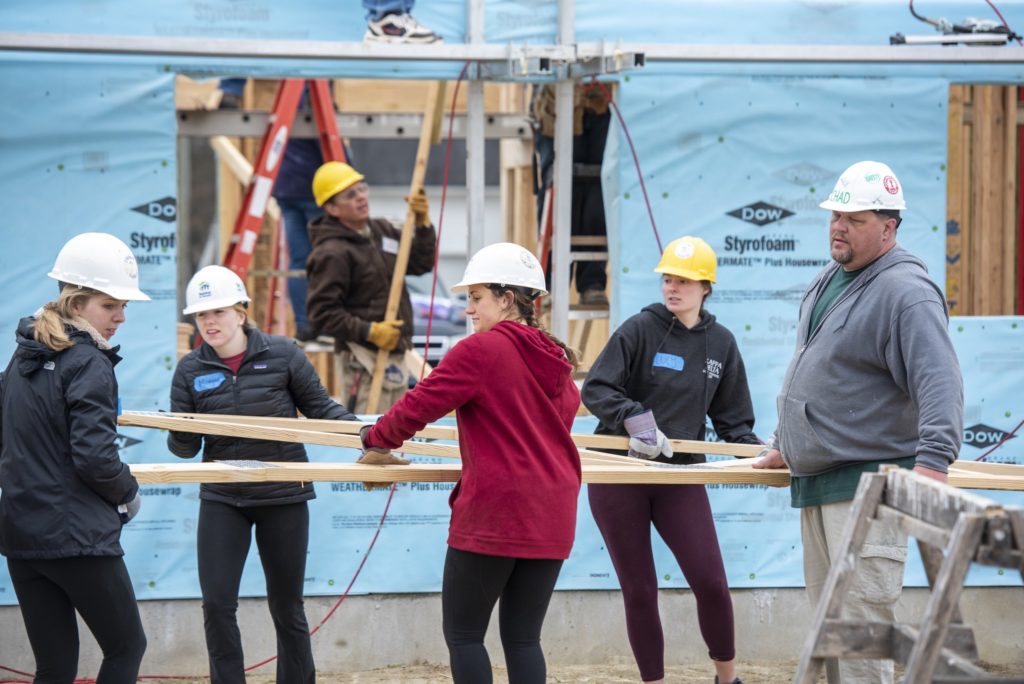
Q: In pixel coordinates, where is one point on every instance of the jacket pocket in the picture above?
(803, 450)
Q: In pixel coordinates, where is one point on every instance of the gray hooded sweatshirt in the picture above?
(879, 380)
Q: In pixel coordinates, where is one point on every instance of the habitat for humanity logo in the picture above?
(982, 436)
(760, 213)
(165, 209)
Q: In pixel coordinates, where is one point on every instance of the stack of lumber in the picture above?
(598, 466)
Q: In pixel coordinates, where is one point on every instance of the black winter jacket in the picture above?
(275, 379)
(654, 362)
(61, 479)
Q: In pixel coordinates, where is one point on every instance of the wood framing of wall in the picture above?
(981, 200)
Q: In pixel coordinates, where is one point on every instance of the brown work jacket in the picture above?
(350, 278)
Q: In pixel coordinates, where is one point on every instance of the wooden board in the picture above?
(966, 474)
(143, 419)
(168, 473)
(431, 111)
(723, 472)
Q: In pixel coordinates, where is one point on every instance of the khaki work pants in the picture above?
(876, 586)
(354, 368)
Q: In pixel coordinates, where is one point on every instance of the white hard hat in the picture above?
(866, 186)
(503, 263)
(102, 262)
(214, 287)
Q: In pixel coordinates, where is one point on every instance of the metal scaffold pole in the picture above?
(562, 181)
(478, 234)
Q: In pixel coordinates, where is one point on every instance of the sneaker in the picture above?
(594, 299)
(735, 681)
(399, 28)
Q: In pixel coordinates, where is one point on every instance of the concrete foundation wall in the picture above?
(369, 632)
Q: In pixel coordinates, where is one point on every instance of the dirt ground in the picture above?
(584, 674)
(588, 674)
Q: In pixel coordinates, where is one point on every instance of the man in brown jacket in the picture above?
(349, 273)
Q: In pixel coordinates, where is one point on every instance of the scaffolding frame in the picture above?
(564, 62)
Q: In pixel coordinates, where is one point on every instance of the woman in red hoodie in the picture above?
(514, 508)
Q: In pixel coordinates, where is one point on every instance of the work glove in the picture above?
(420, 207)
(129, 510)
(376, 456)
(645, 439)
(385, 334)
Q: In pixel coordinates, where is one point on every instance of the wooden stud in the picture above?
(1009, 202)
(956, 170)
(405, 244)
(603, 473)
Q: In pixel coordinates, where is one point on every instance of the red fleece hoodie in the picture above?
(515, 400)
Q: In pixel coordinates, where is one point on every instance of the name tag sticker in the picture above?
(389, 245)
(670, 361)
(208, 382)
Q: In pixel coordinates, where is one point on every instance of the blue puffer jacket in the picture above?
(61, 479)
(275, 379)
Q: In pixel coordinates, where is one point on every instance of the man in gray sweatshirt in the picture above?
(874, 380)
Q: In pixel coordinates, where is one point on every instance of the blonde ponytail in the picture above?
(52, 319)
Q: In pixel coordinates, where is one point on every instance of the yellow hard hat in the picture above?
(689, 257)
(332, 178)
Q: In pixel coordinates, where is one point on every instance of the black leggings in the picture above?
(282, 537)
(473, 583)
(98, 587)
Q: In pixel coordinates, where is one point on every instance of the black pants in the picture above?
(282, 537)
(473, 583)
(98, 587)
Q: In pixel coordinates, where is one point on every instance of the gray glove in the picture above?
(130, 510)
(645, 439)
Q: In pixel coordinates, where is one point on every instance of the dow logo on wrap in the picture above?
(124, 441)
(165, 209)
(983, 436)
(760, 213)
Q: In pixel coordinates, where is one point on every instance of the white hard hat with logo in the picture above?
(503, 263)
(101, 262)
(866, 186)
(214, 287)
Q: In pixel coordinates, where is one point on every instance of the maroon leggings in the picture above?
(682, 516)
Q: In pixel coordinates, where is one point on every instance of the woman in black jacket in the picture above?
(239, 370)
(64, 493)
(669, 368)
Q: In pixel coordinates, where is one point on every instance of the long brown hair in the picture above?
(50, 327)
(528, 314)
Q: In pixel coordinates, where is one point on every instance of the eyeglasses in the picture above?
(353, 192)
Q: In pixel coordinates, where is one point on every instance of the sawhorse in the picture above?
(953, 529)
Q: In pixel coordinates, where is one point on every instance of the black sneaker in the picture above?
(399, 28)
(735, 681)
(305, 334)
